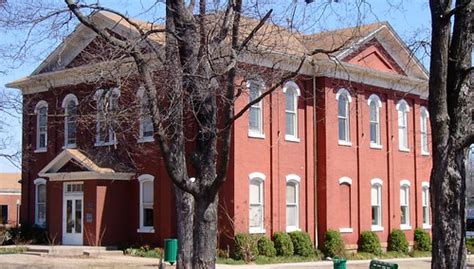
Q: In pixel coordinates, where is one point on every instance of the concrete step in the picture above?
(35, 253)
(96, 253)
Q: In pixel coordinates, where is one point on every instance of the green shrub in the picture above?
(283, 244)
(266, 247)
(302, 244)
(397, 241)
(369, 242)
(422, 240)
(245, 247)
(334, 244)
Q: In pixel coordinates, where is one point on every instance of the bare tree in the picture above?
(450, 104)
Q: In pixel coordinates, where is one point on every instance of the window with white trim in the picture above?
(256, 110)
(146, 120)
(425, 203)
(70, 103)
(107, 108)
(40, 202)
(403, 109)
(292, 203)
(376, 204)
(146, 203)
(374, 110)
(424, 130)
(41, 111)
(343, 99)
(256, 203)
(405, 204)
(291, 92)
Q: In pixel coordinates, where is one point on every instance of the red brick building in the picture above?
(344, 146)
(10, 198)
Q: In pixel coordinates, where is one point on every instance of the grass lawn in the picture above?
(14, 250)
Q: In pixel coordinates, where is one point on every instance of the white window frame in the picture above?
(424, 116)
(292, 88)
(142, 179)
(259, 106)
(40, 182)
(425, 204)
(403, 129)
(141, 95)
(347, 181)
(41, 104)
(295, 180)
(258, 178)
(102, 117)
(69, 98)
(345, 93)
(378, 138)
(405, 185)
(378, 184)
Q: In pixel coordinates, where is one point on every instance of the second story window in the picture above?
(291, 92)
(374, 110)
(41, 111)
(424, 130)
(146, 119)
(343, 99)
(70, 103)
(107, 108)
(403, 109)
(256, 110)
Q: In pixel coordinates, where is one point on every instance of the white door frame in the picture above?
(72, 238)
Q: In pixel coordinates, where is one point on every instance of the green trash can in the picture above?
(339, 263)
(171, 250)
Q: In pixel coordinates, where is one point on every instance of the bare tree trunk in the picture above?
(205, 232)
(184, 213)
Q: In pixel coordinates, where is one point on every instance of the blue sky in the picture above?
(411, 20)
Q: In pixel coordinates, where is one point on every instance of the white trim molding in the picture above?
(345, 92)
(376, 181)
(346, 230)
(256, 175)
(142, 179)
(345, 180)
(405, 182)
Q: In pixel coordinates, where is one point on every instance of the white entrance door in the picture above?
(73, 207)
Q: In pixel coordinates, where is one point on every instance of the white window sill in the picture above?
(404, 149)
(375, 146)
(426, 226)
(146, 230)
(376, 228)
(292, 138)
(41, 150)
(256, 135)
(345, 143)
(145, 139)
(290, 229)
(405, 227)
(424, 153)
(103, 144)
(346, 230)
(257, 230)
(70, 146)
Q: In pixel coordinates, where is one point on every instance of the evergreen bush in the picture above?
(283, 244)
(266, 247)
(422, 240)
(302, 244)
(397, 241)
(245, 247)
(369, 242)
(334, 245)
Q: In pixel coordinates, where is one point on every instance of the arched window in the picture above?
(376, 203)
(424, 130)
(146, 203)
(146, 120)
(40, 202)
(292, 202)
(70, 103)
(107, 107)
(291, 92)
(41, 111)
(425, 203)
(403, 109)
(256, 203)
(343, 99)
(374, 110)
(405, 205)
(256, 110)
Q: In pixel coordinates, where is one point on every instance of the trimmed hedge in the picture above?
(422, 240)
(334, 245)
(397, 241)
(266, 247)
(369, 242)
(246, 247)
(283, 244)
(302, 244)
